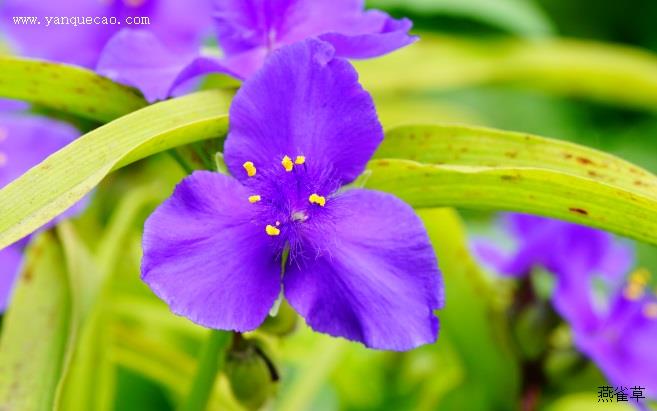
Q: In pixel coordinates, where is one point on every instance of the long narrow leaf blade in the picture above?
(565, 67)
(62, 179)
(66, 88)
(453, 144)
(532, 190)
(36, 331)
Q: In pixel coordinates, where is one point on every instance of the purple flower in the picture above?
(25, 141)
(178, 24)
(248, 31)
(613, 320)
(622, 338)
(360, 263)
(574, 253)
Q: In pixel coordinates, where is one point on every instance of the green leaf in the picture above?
(66, 88)
(470, 321)
(36, 330)
(453, 144)
(516, 16)
(65, 177)
(617, 75)
(585, 401)
(531, 190)
(87, 380)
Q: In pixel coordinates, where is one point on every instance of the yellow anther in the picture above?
(640, 276)
(650, 310)
(287, 163)
(634, 291)
(317, 199)
(300, 160)
(271, 230)
(254, 199)
(250, 168)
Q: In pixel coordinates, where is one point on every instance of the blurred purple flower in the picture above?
(25, 141)
(360, 263)
(248, 31)
(622, 334)
(614, 321)
(178, 24)
(574, 253)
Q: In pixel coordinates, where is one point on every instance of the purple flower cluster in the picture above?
(613, 318)
(25, 140)
(160, 56)
(359, 263)
(181, 25)
(247, 32)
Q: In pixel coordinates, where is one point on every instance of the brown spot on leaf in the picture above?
(28, 274)
(578, 211)
(511, 154)
(584, 160)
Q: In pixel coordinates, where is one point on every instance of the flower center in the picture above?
(636, 285)
(636, 291)
(289, 194)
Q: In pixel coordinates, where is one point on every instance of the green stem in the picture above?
(209, 364)
(181, 161)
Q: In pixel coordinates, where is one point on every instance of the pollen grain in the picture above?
(640, 276)
(250, 168)
(634, 291)
(317, 199)
(271, 230)
(287, 163)
(650, 310)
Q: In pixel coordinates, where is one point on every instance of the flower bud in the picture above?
(250, 375)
